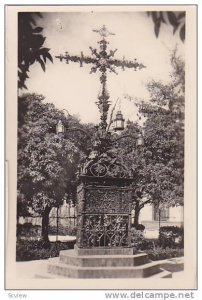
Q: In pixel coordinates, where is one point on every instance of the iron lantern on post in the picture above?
(60, 128)
(119, 121)
(140, 140)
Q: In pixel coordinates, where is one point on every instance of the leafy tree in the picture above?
(164, 138)
(158, 166)
(30, 45)
(47, 162)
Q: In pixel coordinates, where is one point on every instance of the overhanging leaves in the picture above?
(30, 45)
(173, 18)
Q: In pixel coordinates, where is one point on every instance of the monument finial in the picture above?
(103, 31)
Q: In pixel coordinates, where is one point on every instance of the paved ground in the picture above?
(61, 238)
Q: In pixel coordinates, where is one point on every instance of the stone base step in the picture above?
(104, 251)
(65, 270)
(70, 257)
(45, 275)
(162, 274)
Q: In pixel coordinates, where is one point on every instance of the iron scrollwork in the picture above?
(105, 230)
(103, 217)
(111, 170)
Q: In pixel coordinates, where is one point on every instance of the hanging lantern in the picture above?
(119, 121)
(140, 140)
(60, 127)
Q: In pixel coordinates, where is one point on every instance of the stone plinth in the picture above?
(104, 251)
(105, 263)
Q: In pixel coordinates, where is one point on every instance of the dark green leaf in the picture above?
(162, 16)
(154, 17)
(172, 18)
(181, 15)
(44, 57)
(37, 29)
(182, 33)
(37, 41)
(48, 55)
(41, 63)
(32, 21)
(157, 28)
(43, 50)
(39, 14)
(175, 28)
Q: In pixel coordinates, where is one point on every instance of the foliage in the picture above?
(30, 45)
(140, 227)
(164, 138)
(22, 208)
(175, 19)
(137, 238)
(47, 162)
(157, 165)
(171, 236)
(160, 253)
(35, 250)
(28, 231)
(62, 230)
(162, 172)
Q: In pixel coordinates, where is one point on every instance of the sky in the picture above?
(71, 87)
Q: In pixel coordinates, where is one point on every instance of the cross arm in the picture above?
(74, 58)
(127, 64)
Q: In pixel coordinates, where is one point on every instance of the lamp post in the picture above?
(57, 223)
(140, 140)
(119, 122)
(60, 128)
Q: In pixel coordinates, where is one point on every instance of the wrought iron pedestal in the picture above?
(103, 248)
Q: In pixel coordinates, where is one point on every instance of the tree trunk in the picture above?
(45, 224)
(136, 217)
(137, 213)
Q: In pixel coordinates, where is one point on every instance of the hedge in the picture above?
(35, 250)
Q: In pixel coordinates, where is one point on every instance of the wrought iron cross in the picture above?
(103, 61)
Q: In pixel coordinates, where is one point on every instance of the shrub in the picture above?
(171, 236)
(72, 231)
(140, 227)
(62, 230)
(160, 253)
(34, 250)
(33, 232)
(137, 238)
(28, 230)
(149, 244)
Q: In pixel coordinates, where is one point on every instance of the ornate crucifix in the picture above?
(104, 192)
(103, 61)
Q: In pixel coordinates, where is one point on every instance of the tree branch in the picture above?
(143, 204)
